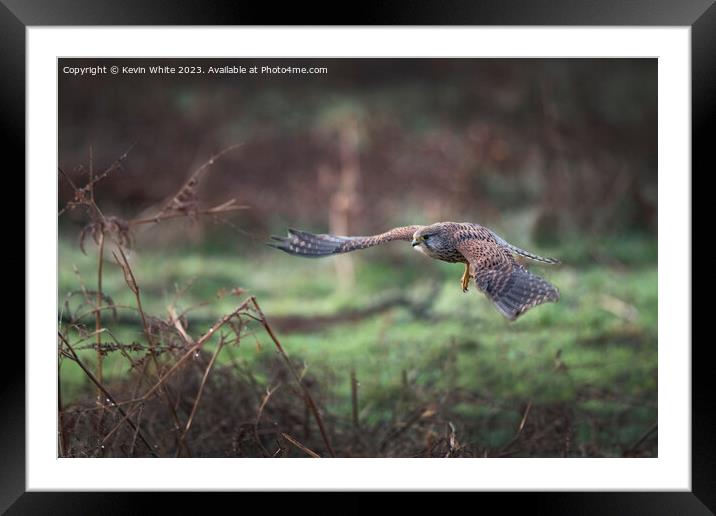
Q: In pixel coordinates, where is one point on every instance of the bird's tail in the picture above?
(521, 292)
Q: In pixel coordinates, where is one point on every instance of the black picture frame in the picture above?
(700, 15)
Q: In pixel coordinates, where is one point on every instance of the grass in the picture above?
(582, 370)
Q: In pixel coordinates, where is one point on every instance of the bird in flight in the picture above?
(489, 260)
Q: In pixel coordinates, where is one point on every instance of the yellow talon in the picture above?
(465, 281)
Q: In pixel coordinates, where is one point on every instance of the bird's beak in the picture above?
(417, 241)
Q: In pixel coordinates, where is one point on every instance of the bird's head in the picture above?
(427, 238)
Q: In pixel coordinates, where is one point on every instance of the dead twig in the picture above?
(73, 355)
(186, 355)
(84, 196)
(354, 401)
(185, 202)
(134, 437)
(131, 282)
(226, 207)
(61, 441)
(521, 426)
(264, 402)
(195, 407)
(306, 393)
(417, 416)
(300, 446)
(176, 320)
(98, 313)
(641, 439)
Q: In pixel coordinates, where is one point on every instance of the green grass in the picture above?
(582, 353)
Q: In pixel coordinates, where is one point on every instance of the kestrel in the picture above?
(488, 259)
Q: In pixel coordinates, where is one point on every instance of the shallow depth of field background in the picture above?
(558, 156)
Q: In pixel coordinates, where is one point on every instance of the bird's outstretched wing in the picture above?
(512, 288)
(303, 243)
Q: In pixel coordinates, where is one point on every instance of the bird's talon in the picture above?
(465, 280)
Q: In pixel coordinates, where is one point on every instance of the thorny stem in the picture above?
(306, 393)
(194, 179)
(354, 400)
(109, 396)
(264, 402)
(200, 392)
(91, 174)
(132, 284)
(300, 446)
(210, 211)
(210, 332)
(98, 313)
(134, 287)
(60, 416)
(138, 401)
(134, 437)
(399, 431)
(519, 430)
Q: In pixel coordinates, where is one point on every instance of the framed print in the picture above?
(183, 174)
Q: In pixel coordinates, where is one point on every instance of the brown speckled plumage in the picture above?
(489, 258)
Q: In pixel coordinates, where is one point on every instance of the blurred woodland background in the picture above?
(377, 353)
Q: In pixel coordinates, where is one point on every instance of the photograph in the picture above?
(434, 257)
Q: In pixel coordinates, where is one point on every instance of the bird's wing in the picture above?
(512, 288)
(303, 243)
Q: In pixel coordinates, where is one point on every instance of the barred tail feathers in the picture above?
(521, 292)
